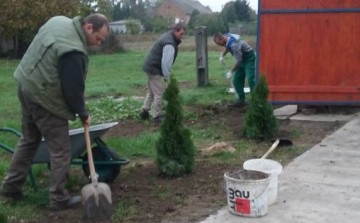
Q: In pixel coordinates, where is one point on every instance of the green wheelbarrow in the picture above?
(107, 162)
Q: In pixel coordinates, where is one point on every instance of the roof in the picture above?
(190, 5)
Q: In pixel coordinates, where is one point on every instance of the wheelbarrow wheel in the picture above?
(107, 172)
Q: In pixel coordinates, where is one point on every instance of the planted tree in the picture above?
(260, 122)
(175, 150)
(21, 19)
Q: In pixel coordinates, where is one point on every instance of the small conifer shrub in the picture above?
(175, 150)
(260, 122)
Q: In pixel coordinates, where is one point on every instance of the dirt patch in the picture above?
(126, 128)
(186, 84)
(191, 198)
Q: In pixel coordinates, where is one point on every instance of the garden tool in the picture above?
(96, 196)
(276, 143)
(230, 80)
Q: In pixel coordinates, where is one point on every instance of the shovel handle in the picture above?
(224, 65)
(272, 148)
(89, 151)
(232, 85)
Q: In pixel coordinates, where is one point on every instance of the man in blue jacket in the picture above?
(244, 65)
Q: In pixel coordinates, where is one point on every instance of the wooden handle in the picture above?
(232, 85)
(272, 148)
(89, 153)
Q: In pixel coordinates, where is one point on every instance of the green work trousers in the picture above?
(245, 69)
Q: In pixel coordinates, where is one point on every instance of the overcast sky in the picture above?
(216, 5)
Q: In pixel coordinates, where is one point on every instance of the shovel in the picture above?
(231, 83)
(276, 143)
(270, 167)
(96, 196)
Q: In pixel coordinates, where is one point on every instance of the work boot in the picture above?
(11, 195)
(144, 115)
(158, 120)
(71, 203)
(238, 104)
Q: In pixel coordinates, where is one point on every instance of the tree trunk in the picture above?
(15, 47)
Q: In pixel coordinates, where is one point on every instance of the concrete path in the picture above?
(320, 186)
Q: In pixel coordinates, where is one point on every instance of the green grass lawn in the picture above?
(121, 75)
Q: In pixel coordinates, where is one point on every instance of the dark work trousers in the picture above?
(37, 123)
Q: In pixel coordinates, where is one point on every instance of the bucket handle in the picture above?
(263, 190)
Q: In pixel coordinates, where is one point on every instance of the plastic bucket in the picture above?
(270, 167)
(246, 192)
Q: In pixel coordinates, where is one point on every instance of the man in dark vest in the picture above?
(157, 66)
(51, 85)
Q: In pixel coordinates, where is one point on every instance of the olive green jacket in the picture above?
(38, 71)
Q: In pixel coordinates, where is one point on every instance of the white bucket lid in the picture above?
(263, 165)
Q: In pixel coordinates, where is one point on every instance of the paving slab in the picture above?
(285, 112)
(321, 185)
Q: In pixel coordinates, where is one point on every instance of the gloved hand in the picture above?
(221, 59)
(228, 74)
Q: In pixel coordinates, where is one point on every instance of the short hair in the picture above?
(179, 26)
(97, 20)
(218, 36)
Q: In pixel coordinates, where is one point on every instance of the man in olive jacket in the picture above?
(157, 66)
(51, 85)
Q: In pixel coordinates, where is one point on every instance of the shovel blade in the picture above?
(97, 201)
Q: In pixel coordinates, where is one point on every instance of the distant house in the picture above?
(180, 10)
(121, 25)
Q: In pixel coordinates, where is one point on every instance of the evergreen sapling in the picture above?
(175, 150)
(260, 122)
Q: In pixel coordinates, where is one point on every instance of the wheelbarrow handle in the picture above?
(93, 175)
(11, 130)
(7, 129)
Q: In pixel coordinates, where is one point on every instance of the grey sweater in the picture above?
(153, 61)
(238, 48)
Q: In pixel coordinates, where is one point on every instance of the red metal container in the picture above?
(309, 51)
